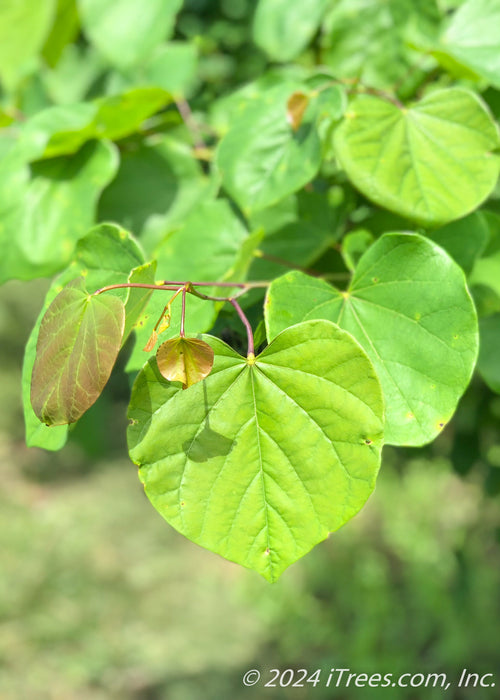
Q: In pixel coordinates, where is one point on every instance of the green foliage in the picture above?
(313, 131)
(431, 163)
(291, 481)
(408, 306)
(127, 31)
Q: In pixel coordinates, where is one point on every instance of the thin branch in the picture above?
(191, 123)
(183, 313)
(246, 322)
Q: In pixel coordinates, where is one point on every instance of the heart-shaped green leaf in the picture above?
(409, 307)
(185, 360)
(432, 162)
(261, 460)
(78, 342)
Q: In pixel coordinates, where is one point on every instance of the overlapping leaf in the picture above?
(471, 41)
(262, 159)
(24, 26)
(127, 31)
(283, 29)
(261, 460)
(63, 129)
(43, 218)
(157, 186)
(409, 307)
(78, 342)
(488, 362)
(432, 162)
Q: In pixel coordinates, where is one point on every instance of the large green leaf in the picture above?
(431, 162)
(472, 39)
(43, 218)
(78, 342)
(24, 26)
(261, 158)
(283, 29)
(127, 31)
(261, 460)
(409, 307)
(106, 255)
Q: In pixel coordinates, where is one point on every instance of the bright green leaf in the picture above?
(472, 39)
(261, 460)
(78, 342)
(283, 29)
(409, 307)
(262, 159)
(64, 30)
(173, 67)
(127, 31)
(63, 129)
(42, 219)
(205, 247)
(432, 162)
(369, 41)
(24, 26)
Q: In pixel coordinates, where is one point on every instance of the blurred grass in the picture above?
(100, 598)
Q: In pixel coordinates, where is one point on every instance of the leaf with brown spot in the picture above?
(185, 360)
(295, 109)
(78, 342)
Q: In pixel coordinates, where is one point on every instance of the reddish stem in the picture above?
(246, 323)
(183, 314)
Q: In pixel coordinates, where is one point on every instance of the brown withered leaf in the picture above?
(295, 108)
(186, 360)
(151, 342)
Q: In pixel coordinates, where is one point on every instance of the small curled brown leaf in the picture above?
(151, 342)
(186, 360)
(295, 109)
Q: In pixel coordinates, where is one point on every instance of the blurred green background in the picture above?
(100, 598)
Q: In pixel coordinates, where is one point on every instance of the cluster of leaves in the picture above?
(367, 154)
